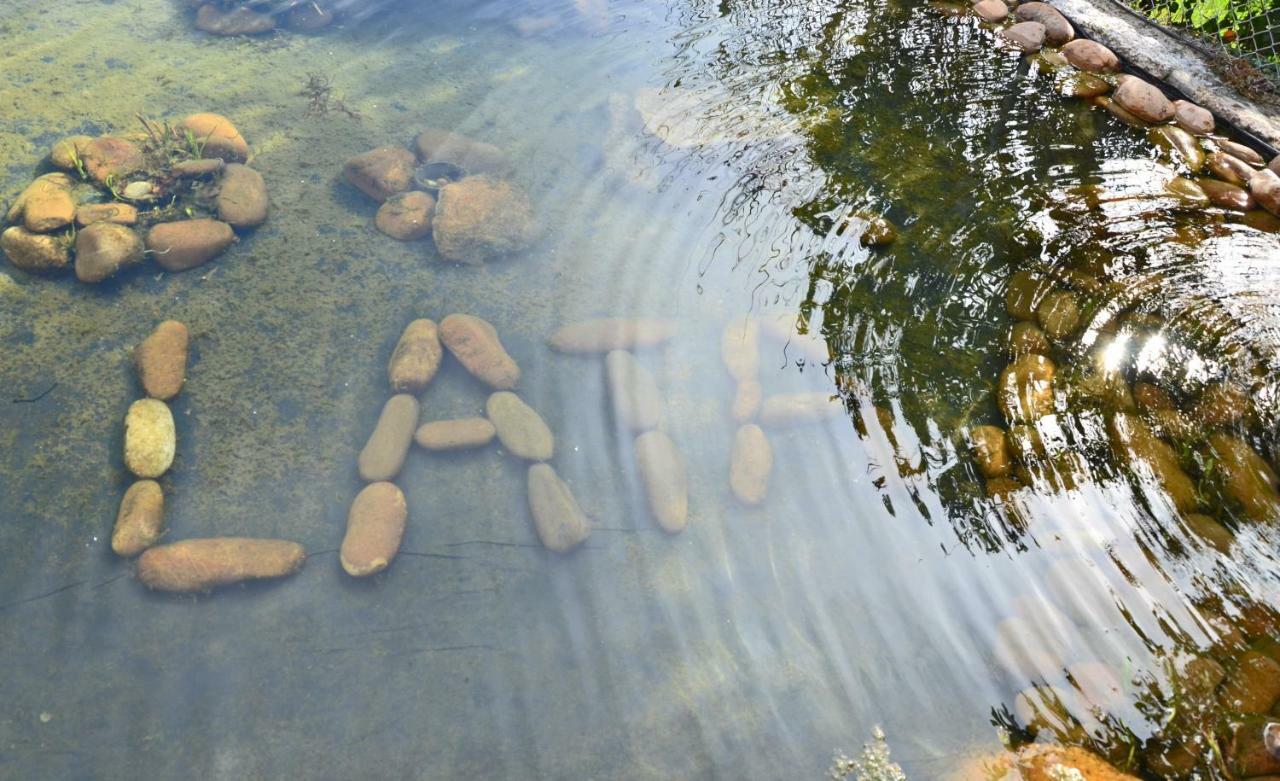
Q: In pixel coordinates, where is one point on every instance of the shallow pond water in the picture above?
(688, 160)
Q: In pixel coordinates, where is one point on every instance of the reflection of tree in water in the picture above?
(1151, 454)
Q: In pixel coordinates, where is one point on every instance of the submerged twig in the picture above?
(34, 399)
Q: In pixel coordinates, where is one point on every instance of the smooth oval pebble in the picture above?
(637, 403)
(1240, 151)
(161, 360)
(202, 564)
(103, 248)
(559, 521)
(750, 465)
(416, 358)
(216, 136)
(184, 244)
(375, 526)
(601, 335)
(520, 428)
(474, 342)
(1230, 169)
(140, 521)
(150, 440)
(665, 479)
(788, 408)
(746, 401)
(242, 200)
(383, 455)
(455, 434)
(740, 348)
(1225, 195)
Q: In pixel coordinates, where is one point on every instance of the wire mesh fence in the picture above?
(1241, 38)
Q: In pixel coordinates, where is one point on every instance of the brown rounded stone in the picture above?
(456, 434)
(479, 219)
(1149, 457)
(140, 521)
(786, 409)
(474, 342)
(406, 216)
(1091, 56)
(1085, 85)
(242, 197)
(1024, 294)
(185, 244)
(35, 252)
(150, 439)
(750, 465)
(520, 428)
(1058, 314)
(666, 482)
(194, 169)
(1225, 195)
(417, 357)
(474, 157)
(103, 248)
(637, 402)
(990, 451)
(216, 136)
(1119, 112)
(1230, 169)
(1187, 191)
(601, 335)
(381, 173)
(1264, 186)
(559, 521)
(1025, 388)
(67, 152)
(118, 213)
(1181, 145)
(1245, 153)
(1149, 397)
(161, 360)
(1027, 36)
(108, 157)
(740, 348)
(1213, 533)
(383, 455)
(1143, 100)
(1026, 338)
(1246, 477)
(1220, 405)
(1192, 118)
(375, 526)
(991, 10)
(211, 18)
(1057, 30)
(47, 205)
(1253, 686)
(203, 564)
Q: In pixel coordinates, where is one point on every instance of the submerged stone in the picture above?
(35, 252)
(480, 219)
(242, 197)
(740, 348)
(140, 521)
(1024, 294)
(216, 136)
(383, 455)
(474, 157)
(991, 10)
(381, 173)
(1187, 191)
(47, 204)
(1085, 85)
(520, 428)
(1181, 145)
(1264, 186)
(474, 342)
(559, 521)
(406, 216)
(1058, 314)
(161, 360)
(786, 409)
(203, 564)
(110, 159)
(1145, 453)
(1246, 477)
(211, 18)
(990, 451)
(1027, 36)
(118, 213)
(602, 335)
(1225, 195)
(416, 358)
(1230, 169)
(1026, 338)
(375, 526)
(1025, 388)
(750, 465)
(1213, 533)
(637, 402)
(103, 249)
(458, 434)
(666, 483)
(150, 440)
(185, 244)
(1240, 151)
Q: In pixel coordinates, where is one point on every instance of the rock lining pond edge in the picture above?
(1144, 46)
